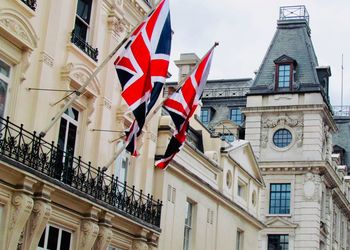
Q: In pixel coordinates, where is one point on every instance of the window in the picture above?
(82, 18)
(205, 116)
(228, 137)
(335, 225)
(236, 116)
(121, 167)
(284, 76)
(279, 198)
(188, 226)
(282, 138)
(54, 238)
(5, 73)
(241, 189)
(113, 248)
(277, 242)
(239, 240)
(68, 130)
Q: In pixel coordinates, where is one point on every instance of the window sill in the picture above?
(81, 54)
(279, 215)
(28, 11)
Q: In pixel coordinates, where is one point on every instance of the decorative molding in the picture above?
(40, 215)
(311, 186)
(89, 233)
(283, 120)
(104, 238)
(22, 205)
(46, 58)
(139, 245)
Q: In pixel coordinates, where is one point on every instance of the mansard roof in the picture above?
(291, 41)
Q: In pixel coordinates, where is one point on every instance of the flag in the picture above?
(182, 104)
(142, 67)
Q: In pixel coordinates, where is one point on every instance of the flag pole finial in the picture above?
(216, 44)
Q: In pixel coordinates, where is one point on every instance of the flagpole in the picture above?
(91, 77)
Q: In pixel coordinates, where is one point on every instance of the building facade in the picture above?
(290, 125)
(53, 195)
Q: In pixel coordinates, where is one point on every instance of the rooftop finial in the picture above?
(294, 12)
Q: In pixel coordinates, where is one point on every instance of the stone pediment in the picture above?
(285, 59)
(279, 222)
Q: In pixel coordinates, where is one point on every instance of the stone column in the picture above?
(39, 217)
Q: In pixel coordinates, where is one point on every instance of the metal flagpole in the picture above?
(89, 80)
(342, 81)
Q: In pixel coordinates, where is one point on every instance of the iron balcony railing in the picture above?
(30, 3)
(84, 46)
(341, 111)
(294, 12)
(32, 151)
(225, 92)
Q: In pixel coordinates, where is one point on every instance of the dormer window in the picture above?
(284, 75)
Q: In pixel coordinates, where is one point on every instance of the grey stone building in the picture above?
(288, 119)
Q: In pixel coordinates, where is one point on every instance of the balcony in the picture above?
(84, 46)
(30, 3)
(30, 152)
(225, 92)
(294, 13)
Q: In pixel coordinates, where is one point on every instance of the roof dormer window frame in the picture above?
(285, 68)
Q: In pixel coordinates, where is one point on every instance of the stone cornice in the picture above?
(341, 201)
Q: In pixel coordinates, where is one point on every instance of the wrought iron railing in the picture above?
(32, 151)
(30, 3)
(341, 110)
(84, 46)
(294, 12)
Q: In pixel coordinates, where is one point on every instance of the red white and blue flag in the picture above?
(182, 104)
(142, 67)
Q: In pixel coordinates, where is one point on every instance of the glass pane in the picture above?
(42, 239)
(72, 132)
(84, 9)
(4, 69)
(65, 240)
(3, 92)
(53, 238)
(62, 134)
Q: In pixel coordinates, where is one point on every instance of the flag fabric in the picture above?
(182, 104)
(142, 67)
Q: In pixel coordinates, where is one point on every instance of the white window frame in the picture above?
(122, 159)
(7, 80)
(88, 25)
(188, 227)
(74, 122)
(59, 237)
(239, 239)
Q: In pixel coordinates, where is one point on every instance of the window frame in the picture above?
(280, 192)
(59, 239)
(122, 158)
(69, 121)
(277, 74)
(269, 236)
(282, 138)
(88, 25)
(239, 239)
(242, 118)
(209, 114)
(188, 227)
(8, 81)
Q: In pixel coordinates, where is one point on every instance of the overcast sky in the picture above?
(245, 29)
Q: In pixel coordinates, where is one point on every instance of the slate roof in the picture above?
(291, 39)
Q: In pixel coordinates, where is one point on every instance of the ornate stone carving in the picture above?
(37, 222)
(89, 232)
(22, 205)
(13, 27)
(327, 142)
(46, 58)
(104, 238)
(311, 186)
(283, 120)
(139, 245)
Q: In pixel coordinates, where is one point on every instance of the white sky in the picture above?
(245, 29)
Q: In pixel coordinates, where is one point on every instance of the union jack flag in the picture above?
(142, 67)
(182, 104)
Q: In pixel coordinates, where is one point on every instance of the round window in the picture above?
(282, 138)
(229, 179)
